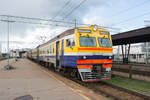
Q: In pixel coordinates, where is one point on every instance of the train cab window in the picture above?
(88, 42)
(70, 42)
(104, 42)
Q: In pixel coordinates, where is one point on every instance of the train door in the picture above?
(57, 55)
(37, 54)
(62, 53)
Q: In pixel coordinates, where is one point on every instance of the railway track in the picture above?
(142, 95)
(97, 90)
(131, 64)
(113, 91)
(109, 90)
(136, 72)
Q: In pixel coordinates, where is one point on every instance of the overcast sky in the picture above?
(123, 15)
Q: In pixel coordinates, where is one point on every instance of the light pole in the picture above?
(8, 53)
(0, 49)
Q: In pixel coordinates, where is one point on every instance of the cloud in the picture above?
(36, 37)
(46, 9)
(94, 20)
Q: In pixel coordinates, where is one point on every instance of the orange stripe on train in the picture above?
(90, 66)
(105, 49)
(84, 66)
(93, 61)
(106, 66)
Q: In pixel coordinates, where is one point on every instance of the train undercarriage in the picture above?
(97, 73)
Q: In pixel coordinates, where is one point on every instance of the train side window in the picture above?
(70, 42)
(51, 49)
(73, 42)
(47, 51)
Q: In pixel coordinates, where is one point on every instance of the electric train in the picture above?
(84, 52)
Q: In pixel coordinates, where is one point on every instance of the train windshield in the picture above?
(103, 42)
(88, 41)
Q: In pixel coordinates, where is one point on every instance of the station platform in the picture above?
(28, 79)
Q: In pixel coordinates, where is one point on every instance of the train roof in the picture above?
(65, 33)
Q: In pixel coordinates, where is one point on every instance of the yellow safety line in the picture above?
(73, 90)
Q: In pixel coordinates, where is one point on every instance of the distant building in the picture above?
(19, 53)
(14, 53)
(138, 53)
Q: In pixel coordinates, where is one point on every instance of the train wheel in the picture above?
(73, 73)
(78, 76)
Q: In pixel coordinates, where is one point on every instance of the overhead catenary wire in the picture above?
(37, 19)
(28, 22)
(133, 18)
(63, 7)
(40, 21)
(67, 15)
(130, 8)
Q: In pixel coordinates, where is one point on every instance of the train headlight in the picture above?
(84, 57)
(95, 27)
(110, 57)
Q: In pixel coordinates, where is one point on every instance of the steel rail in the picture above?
(139, 94)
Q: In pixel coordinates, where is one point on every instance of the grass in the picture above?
(137, 85)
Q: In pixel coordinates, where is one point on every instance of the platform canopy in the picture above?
(133, 36)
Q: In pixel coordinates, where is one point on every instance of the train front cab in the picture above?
(94, 53)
